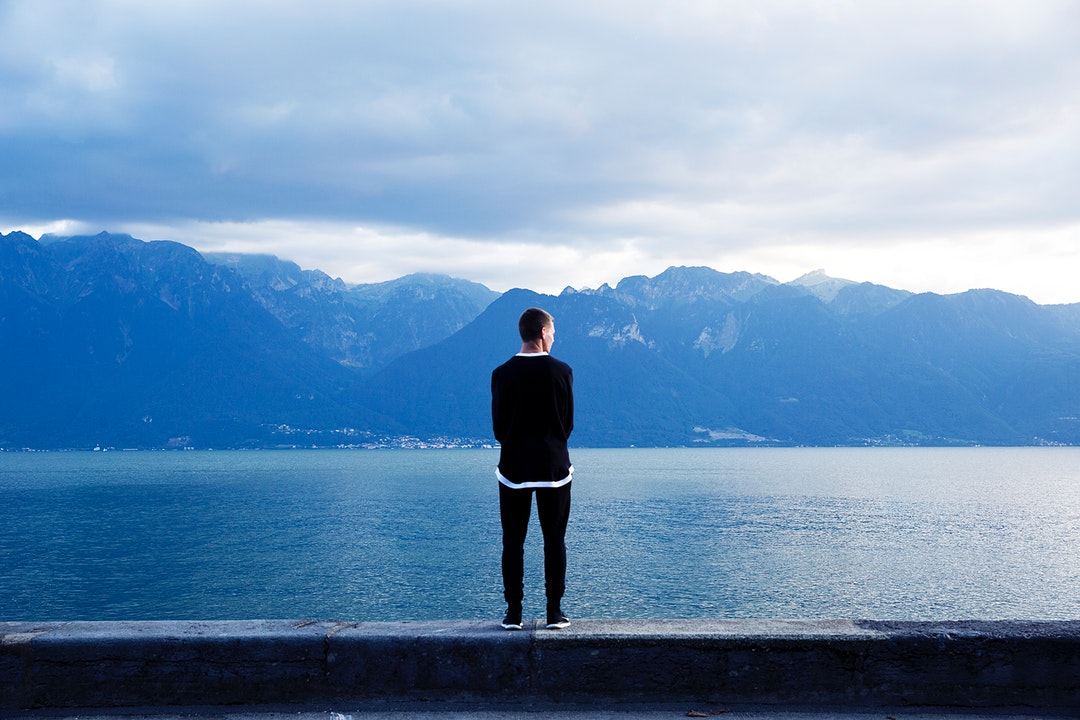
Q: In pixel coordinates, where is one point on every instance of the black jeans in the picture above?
(553, 509)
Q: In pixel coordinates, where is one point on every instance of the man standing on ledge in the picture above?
(532, 413)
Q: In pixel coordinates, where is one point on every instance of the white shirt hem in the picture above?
(533, 484)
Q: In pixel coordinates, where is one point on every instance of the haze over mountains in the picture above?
(113, 342)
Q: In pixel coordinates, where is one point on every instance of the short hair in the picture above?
(532, 322)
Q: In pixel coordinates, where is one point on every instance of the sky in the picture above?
(926, 145)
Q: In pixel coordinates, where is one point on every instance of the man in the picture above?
(532, 413)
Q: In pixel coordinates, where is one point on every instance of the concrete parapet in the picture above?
(805, 663)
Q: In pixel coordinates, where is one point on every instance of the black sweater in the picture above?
(532, 414)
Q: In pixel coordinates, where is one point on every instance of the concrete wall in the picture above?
(805, 663)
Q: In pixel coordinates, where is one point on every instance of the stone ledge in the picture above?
(977, 664)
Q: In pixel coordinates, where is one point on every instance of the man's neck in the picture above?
(532, 348)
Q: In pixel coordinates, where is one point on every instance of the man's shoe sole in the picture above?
(558, 625)
(510, 626)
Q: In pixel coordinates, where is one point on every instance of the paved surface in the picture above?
(453, 711)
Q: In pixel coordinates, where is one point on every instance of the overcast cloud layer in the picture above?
(926, 145)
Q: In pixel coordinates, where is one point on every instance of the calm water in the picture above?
(923, 534)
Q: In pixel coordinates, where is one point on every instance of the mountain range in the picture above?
(109, 341)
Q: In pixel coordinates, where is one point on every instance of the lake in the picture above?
(362, 535)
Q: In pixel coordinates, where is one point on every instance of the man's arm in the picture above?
(568, 405)
(497, 415)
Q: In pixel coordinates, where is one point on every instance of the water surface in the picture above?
(897, 533)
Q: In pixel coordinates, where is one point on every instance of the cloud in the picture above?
(602, 133)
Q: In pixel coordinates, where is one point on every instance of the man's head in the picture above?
(537, 326)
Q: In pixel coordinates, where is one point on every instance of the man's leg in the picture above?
(553, 508)
(514, 509)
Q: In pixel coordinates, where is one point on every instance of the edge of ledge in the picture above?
(770, 661)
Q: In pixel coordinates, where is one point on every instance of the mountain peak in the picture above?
(820, 285)
(814, 277)
(684, 284)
